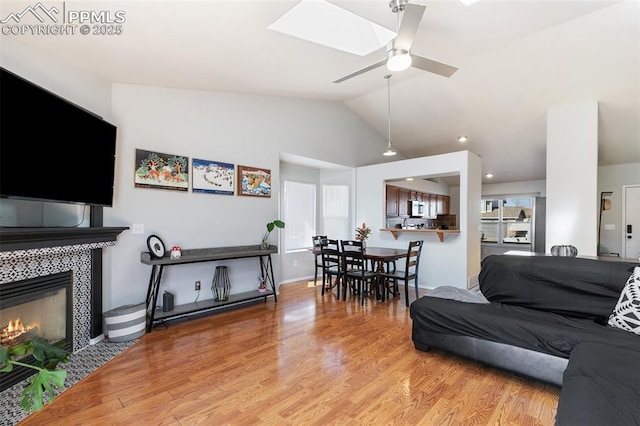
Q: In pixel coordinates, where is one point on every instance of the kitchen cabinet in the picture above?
(397, 202)
(432, 209)
(403, 201)
(392, 200)
(439, 204)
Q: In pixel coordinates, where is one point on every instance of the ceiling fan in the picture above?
(399, 56)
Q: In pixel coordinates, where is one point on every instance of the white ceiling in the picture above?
(516, 60)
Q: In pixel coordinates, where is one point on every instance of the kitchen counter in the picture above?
(439, 232)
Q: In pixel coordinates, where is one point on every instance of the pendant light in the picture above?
(390, 151)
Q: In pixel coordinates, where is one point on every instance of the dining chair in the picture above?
(410, 272)
(356, 274)
(317, 257)
(331, 263)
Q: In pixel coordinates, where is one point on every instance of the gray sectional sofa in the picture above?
(546, 318)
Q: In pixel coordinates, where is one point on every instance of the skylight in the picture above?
(324, 23)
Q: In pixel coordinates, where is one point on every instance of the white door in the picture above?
(631, 226)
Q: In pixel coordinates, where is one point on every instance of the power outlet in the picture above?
(197, 285)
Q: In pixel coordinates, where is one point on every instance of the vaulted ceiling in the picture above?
(515, 60)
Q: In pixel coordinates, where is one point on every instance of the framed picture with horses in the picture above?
(254, 181)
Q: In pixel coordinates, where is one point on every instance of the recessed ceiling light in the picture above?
(489, 175)
(462, 139)
(409, 179)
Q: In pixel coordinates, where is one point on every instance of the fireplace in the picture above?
(36, 307)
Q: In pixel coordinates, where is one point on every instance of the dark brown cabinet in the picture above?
(392, 200)
(397, 202)
(404, 195)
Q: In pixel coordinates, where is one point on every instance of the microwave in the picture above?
(416, 208)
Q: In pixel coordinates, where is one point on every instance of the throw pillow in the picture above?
(626, 314)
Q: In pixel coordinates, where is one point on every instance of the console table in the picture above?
(155, 314)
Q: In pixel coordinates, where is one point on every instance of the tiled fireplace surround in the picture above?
(38, 252)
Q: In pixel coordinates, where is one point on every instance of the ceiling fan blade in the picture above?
(432, 66)
(362, 71)
(408, 27)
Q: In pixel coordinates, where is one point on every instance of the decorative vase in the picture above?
(264, 244)
(221, 286)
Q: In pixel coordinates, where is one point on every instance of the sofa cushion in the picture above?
(601, 387)
(578, 287)
(626, 314)
(514, 325)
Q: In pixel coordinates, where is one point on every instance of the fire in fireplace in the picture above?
(37, 307)
(17, 331)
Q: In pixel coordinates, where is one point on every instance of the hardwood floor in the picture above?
(307, 359)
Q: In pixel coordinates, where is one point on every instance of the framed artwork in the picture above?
(254, 181)
(212, 177)
(161, 171)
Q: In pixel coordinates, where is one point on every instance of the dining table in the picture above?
(380, 257)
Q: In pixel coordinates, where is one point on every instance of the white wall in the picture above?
(77, 86)
(572, 168)
(422, 185)
(611, 179)
(238, 129)
(533, 187)
(296, 266)
(457, 259)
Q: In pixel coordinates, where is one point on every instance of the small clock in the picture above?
(155, 246)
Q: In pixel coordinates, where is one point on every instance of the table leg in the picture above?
(380, 288)
(152, 294)
(266, 269)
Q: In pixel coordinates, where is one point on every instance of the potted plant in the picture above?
(46, 358)
(270, 227)
(362, 233)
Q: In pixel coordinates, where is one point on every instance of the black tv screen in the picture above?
(51, 149)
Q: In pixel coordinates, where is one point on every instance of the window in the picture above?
(299, 215)
(506, 220)
(335, 211)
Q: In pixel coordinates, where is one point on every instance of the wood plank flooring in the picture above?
(306, 360)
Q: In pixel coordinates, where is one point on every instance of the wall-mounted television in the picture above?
(51, 149)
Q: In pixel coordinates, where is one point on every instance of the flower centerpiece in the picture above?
(270, 227)
(362, 233)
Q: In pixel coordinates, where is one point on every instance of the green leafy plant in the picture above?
(270, 227)
(362, 233)
(46, 358)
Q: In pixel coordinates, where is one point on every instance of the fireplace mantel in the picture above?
(18, 246)
(12, 239)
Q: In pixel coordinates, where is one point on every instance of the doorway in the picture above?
(631, 221)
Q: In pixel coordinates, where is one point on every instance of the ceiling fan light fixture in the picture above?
(399, 60)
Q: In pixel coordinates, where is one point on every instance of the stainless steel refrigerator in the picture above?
(538, 227)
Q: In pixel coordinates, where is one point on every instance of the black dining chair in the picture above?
(410, 272)
(331, 264)
(317, 257)
(356, 274)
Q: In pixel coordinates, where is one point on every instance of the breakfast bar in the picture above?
(439, 232)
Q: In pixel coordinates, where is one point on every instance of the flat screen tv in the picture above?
(51, 149)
